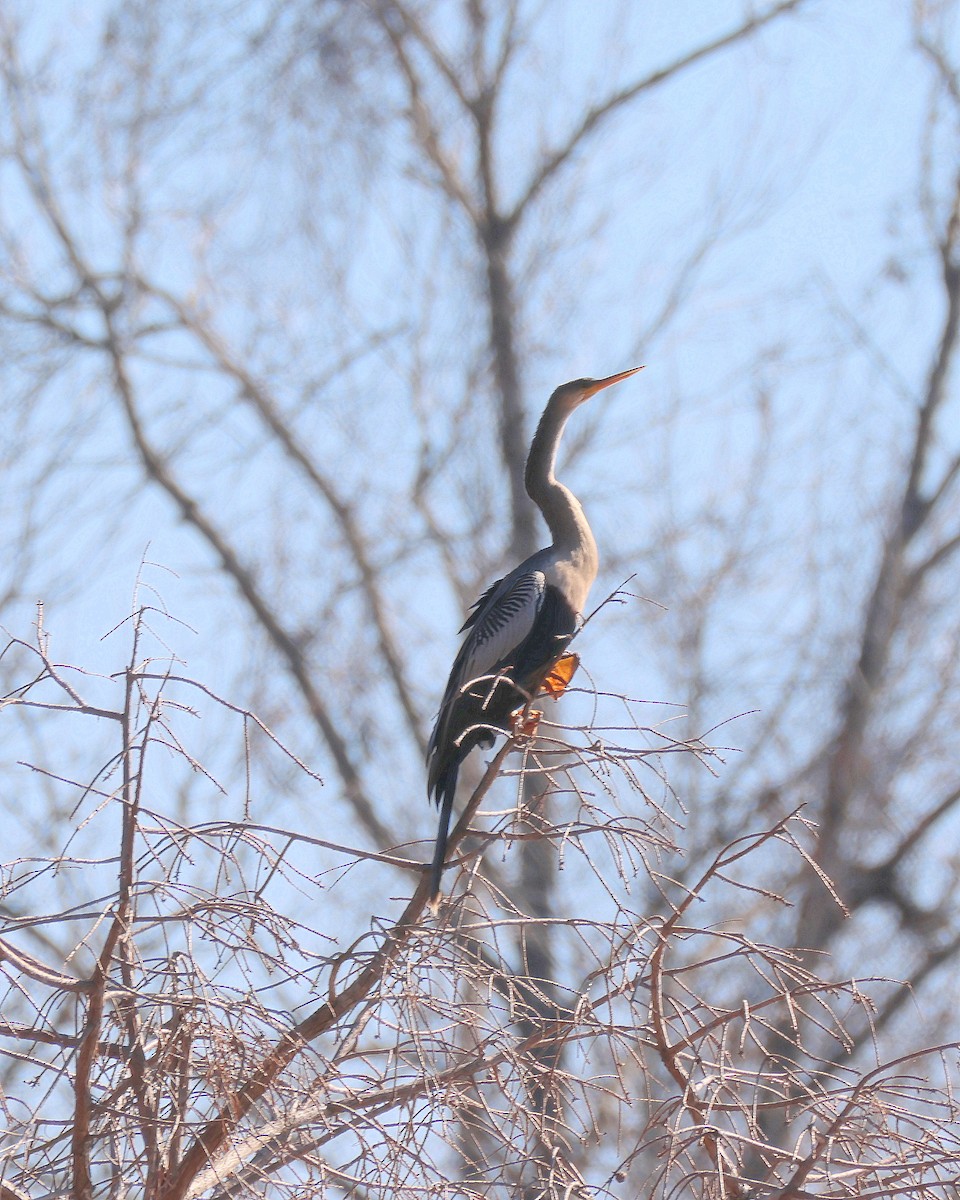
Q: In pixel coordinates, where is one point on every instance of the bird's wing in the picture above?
(503, 621)
(476, 608)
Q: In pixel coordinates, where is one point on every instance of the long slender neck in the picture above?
(561, 509)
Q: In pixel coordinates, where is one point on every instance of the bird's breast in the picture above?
(573, 577)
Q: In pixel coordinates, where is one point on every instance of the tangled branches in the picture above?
(229, 1007)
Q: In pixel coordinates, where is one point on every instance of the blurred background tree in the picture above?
(283, 288)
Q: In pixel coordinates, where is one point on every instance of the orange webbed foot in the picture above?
(558, 677)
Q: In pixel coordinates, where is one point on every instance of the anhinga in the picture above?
(522, 624)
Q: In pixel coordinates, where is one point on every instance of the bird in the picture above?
(522, 624)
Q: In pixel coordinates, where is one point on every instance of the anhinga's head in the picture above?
(571, 395)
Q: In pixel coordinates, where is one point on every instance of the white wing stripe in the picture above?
(509, 618)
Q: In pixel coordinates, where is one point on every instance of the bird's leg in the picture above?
(526, 721)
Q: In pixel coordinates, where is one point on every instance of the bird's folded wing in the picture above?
(501, 625)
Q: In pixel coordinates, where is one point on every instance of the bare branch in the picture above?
(596, 116)
(256, 394)
(281, 639)
(208, 1142)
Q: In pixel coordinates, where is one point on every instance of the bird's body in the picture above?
(521, 624)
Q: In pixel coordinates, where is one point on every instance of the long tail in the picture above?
(445, 790)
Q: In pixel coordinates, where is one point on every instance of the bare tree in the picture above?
(237, 248)
(166, 1066)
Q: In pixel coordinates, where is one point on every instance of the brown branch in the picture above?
(948, 76)
(215, 1133)
(51, 670)
(372, 1104)
(81, 1137)
(126, 1004)
(119, 929)
(884, 610)
(239, 709)
(38, 971)
(494, 235)
(915, 507)
(731, 1183)
(416, 28)
(541, 1042)
(908, 990)
(508, 44)
(426, 131)
(85, 710)
(597, 115)
(266, 407)
(47, 1037)
(942, 554)
(8, 1192)
(794, 1190)
(157, 470)
(922, 826)
(282, 640)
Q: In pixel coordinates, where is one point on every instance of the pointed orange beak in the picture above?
(599, 384)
